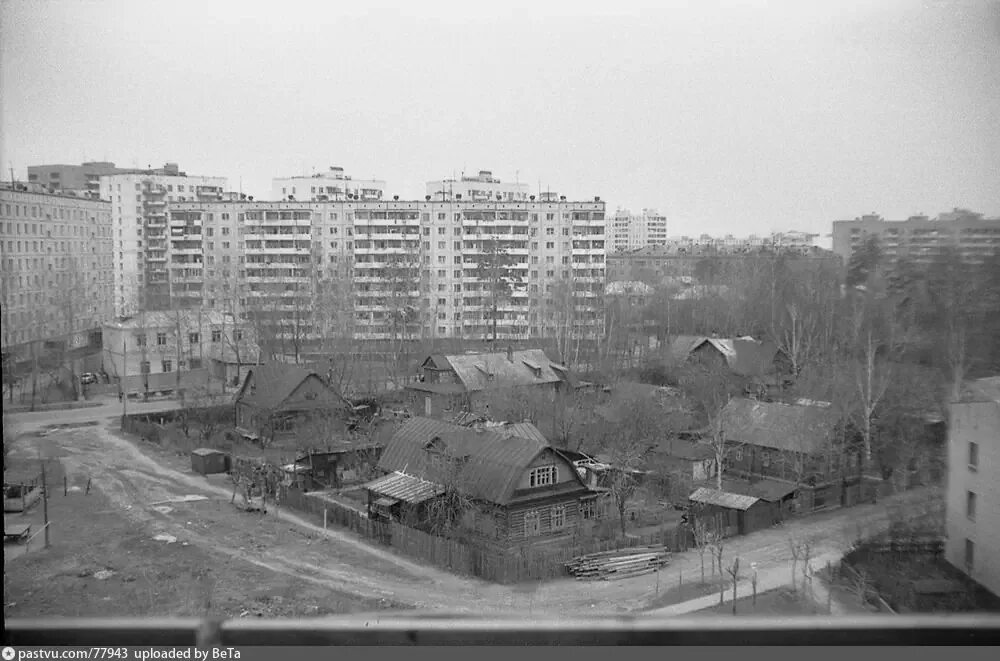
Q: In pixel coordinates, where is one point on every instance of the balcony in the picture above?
(154, 204)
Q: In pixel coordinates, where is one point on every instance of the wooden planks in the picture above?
(619, 564)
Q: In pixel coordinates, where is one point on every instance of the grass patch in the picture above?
(685, 591)
(780, 602)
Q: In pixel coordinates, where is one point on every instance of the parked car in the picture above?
(88, 377)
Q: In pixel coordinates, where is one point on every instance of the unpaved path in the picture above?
(138, 484)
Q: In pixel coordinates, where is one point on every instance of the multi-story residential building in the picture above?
(166, 350)
(139, 201)
(56, 266)
(85, 177)
(920, 238)
(973, 490)
(324, 186)
(631, 231)
(657, 265)
(391, 270)
(482, 188)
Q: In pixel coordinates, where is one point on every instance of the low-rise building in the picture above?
(451, 384)
(326, 186)
(973, 490)
(164, 351)
(515, 489)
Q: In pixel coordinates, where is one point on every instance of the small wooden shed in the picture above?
(731, 513)
(208, 461)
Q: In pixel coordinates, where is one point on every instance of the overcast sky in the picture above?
(729, 117)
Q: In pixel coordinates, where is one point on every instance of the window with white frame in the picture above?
(542, 476)
(558, 517)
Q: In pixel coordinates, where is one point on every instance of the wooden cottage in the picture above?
(517, 488)
(281, 401)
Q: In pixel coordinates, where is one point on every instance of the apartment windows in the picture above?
(550, 231)
(161, 339)
(442, 244)
(333, 230)
(442, 301)
(973, 456)
(550, 245)
(458, 274)
(458, 245)
(167, 366)
(144, 367)
(193, 338)
(970, 554)
(970, 505)
(458, 231)
(441, 230)
(442, 259)
(216, 335)
(140, 340)
(427, 232)
(225, 231)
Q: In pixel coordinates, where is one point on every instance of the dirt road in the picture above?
(158, 491)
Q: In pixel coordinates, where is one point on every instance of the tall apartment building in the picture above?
(973, 489)
(387, 270)
(483, 187)
(919, 238)
(323, 186)
(85, 177)
(139, 202)
(56, 267)
(631, 231)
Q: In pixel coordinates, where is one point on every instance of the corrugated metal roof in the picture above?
(764, 489)
(275, 382)
(483, 371)
(206, 452)
(725, 499)
(791, 427)
(407, 488)
(493, 461)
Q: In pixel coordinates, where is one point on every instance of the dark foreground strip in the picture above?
(444, 630)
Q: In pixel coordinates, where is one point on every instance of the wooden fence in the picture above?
(528, 563)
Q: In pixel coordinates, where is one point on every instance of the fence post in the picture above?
(65, 486)
(324, 518)
(45, 505)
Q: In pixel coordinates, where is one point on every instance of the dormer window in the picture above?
(536, 370)
(488, 374)
(542, 476)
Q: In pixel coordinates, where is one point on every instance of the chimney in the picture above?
(510, 353)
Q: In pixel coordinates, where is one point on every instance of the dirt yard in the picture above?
(101, 561)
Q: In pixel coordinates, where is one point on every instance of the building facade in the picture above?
(631, 231)
(57, 272)
(330, 185)
(141, 238)
(163, 350)
(973, 491)
(390, 270)
(920, 238)
(483, 187)
(85, 177)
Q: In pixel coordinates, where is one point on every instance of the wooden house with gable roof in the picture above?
(463, 382)
(521, 489)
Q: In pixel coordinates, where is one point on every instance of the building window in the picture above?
(739, 454)
(973, 456)
(161, 339)
(543, 476)
(970, 505)
(144, 367)
(532, 524)
(970, 554)
(167, 366)
(196, 363)
(765, 458)
(140, 340)
(558, 517)
(193, 338)
(588, 509)
(216, 335)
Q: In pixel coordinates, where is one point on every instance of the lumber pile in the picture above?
(622, 563)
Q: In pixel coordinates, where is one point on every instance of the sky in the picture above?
(727, 116)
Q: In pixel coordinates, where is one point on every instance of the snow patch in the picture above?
(163, 509)
(104, 574)
(169, 539)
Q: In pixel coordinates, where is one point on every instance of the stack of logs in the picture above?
(623, 563)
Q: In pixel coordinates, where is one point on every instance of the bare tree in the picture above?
(497, 273)
(703, 538)
(734, 573)
(711, 389)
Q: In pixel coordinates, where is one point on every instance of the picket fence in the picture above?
(505, 566)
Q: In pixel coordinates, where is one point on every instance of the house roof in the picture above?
(407, 488)
(207, 452)
(684, 449)
(725, 499)
(275, 383)
(483, 371)
(682, 345)
(493, 460)
(767, 490)
(744, 355)
(779, 426)
(169, 319)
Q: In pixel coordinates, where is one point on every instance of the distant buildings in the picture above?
(973, 489)
(56, 266)
(920, 238)
(630, 231)
(325, 186)
(683, 264)
(482, 188)
(390, 269)
(141, 238)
